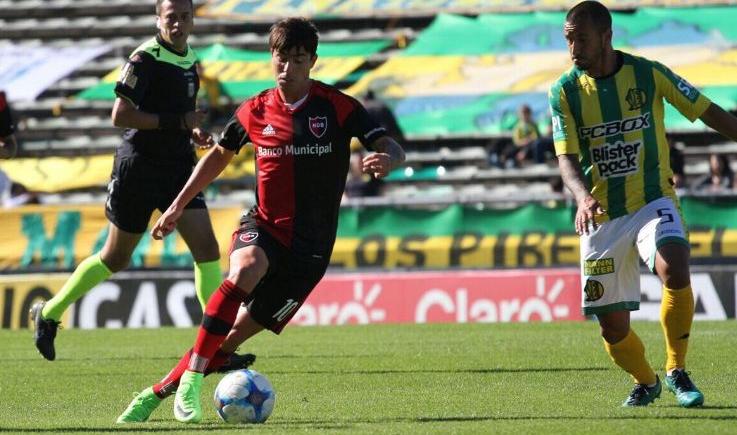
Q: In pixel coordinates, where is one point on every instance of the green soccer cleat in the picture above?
(685, 391)
(642, 395)
(187, 407)
(140, 408)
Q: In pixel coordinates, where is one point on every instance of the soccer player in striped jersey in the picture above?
(301, 132)
(608, 127)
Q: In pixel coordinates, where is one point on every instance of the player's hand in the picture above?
(202, 139)
(379, 164)
(166, 224)
(588, 209)
(194, 119)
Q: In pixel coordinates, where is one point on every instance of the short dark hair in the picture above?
(593, 11)
(291, 33)
(159, 2)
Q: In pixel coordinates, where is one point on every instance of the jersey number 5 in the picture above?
(665, 213)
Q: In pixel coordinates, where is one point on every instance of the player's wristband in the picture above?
(170, 121)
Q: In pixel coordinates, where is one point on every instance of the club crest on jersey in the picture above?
(318, 125)
(636, 98)
(248, 237)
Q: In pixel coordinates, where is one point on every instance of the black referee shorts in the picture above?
(288, 282)
(138, 186)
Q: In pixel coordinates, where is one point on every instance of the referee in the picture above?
(155, 104)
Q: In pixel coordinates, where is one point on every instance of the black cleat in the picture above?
(44, 332)
(237, 362)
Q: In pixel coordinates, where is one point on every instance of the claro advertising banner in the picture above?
(153, 299)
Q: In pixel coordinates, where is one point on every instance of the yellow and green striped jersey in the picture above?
(615, 125)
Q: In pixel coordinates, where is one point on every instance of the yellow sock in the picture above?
(629, 353)
(676, 315)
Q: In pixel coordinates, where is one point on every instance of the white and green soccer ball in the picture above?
(244, 396)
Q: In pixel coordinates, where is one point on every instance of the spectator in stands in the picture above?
(677, 164)
(720, 176)
(524, 136)
(8, 144)
(156, 104)
(382, 114)
(626, 205)
(543, 148)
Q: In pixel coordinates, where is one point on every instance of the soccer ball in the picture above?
(244, 396)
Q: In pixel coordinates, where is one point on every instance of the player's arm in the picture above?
(209, 167)
(721, 121)
(130, 90)
(387, 156)
(567, 149)
(387, 153)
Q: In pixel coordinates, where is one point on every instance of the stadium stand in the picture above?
(448, 157)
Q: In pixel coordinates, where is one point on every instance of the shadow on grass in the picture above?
(579, 418)
(281, 425)
(431, 371)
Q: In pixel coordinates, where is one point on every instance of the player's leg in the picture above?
(611, 289)
(196, 230)
(627, 351)
(146, 402)
(128, 208)
(243, 328)
(93, 270)
(248, 265)
(663, 244)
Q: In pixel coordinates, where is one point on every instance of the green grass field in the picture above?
(500, 378)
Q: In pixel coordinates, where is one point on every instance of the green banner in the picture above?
(268, 9)
(440, 87)
(542, 31)
(243, 73)
(528, 236)
(58, 237)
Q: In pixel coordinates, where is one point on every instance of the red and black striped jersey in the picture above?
(302, 160)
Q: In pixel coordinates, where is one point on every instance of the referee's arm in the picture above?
(126, 115)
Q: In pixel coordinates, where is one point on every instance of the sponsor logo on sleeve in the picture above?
(127, 77)
(248, 237)
(687, 89)
(558, 132)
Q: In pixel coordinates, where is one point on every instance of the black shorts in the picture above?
(287, 283)
(139, 186)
